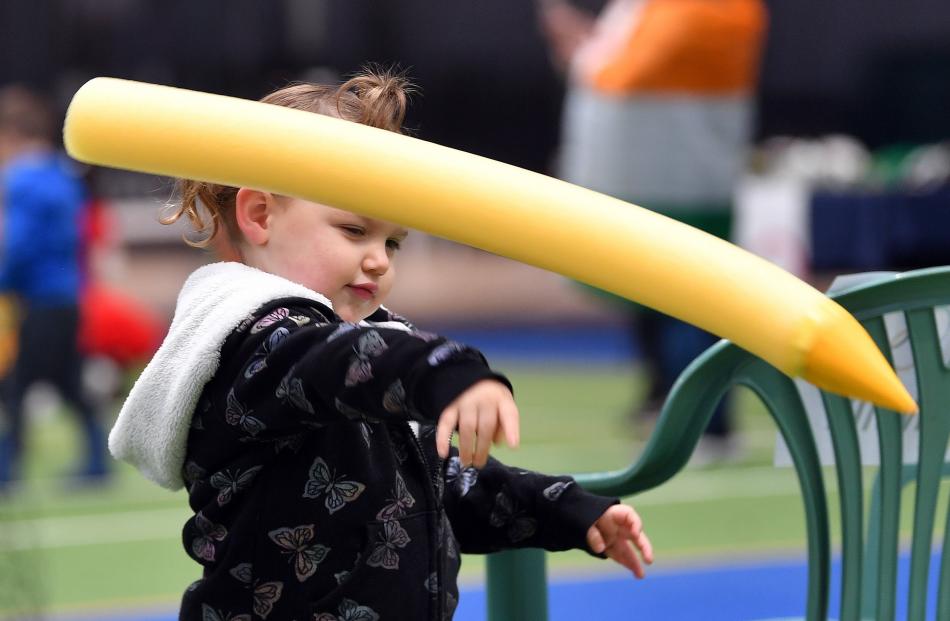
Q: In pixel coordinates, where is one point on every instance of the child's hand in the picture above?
(615, 531)
(484, 413)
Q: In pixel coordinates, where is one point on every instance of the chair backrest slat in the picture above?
(933, 390)
(844, 439)
(782, 400)
(879, 581)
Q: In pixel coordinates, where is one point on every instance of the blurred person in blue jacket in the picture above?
(42, 198)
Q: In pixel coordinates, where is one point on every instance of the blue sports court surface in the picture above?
(760, 590)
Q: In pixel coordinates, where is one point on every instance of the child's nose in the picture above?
(377, 260)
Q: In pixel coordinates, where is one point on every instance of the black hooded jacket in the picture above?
(317, 490)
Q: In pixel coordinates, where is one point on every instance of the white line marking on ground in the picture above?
(97, 529)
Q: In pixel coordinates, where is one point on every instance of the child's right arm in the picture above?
(295, 366)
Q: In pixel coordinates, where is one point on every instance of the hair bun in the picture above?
(382, 96)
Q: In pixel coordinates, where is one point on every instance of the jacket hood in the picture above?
(151, 431)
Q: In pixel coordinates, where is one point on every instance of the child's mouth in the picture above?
(365, 291)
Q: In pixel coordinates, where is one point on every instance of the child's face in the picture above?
(344, 256)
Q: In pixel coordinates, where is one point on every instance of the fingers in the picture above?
(509, 422)
(443, 432)
(468, 426)
(487, 425)
(634, 526)
(645, 546)
(624, 554)
(483, 414)
(596, 540)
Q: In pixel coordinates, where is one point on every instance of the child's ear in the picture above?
(252, 209)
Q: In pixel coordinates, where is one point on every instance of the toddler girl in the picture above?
(312, 427)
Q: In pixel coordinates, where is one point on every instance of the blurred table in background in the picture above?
(818, 233)
(857, 231)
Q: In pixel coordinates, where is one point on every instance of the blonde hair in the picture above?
(374, 97)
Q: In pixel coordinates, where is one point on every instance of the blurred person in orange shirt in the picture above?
(659, 112)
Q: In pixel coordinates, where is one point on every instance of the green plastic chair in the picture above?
(516, 582)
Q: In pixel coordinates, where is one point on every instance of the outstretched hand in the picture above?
(619, 534)
(484, 413)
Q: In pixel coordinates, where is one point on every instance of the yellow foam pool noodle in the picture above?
(532, 218)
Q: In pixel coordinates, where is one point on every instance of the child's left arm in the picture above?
(618, 533)
(499, 507)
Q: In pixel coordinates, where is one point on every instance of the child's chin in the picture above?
(356, 315)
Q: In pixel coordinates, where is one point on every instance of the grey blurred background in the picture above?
(876, 69)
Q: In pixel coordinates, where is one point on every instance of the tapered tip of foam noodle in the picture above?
(843, 359)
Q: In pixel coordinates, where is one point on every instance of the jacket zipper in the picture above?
(435, 501)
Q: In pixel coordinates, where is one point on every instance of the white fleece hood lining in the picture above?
(151, 431)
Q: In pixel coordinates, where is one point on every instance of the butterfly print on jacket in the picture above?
(228, 483)
(385, 554)
(444, 352)
(349, 611)
(366, 431)
(463, 478)
(297, 543)
(259, 360)
(203, 545)
(506, 514)
(394, 399)
(399, 502)
(553, 492)
(431, 584)
(275, 316)
(213, 614)
(369, 346)
(342, 576)
(266, 594)
(290, 443)
(290, 390)
(335, 490)
(237, 415)
(191, 473)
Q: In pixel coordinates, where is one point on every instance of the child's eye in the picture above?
(356, 231)
(393, 244)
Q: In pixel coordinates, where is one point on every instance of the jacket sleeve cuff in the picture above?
(443, 384)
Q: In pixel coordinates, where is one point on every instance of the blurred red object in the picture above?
(116, 326)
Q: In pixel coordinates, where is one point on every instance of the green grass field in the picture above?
(67, 550)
